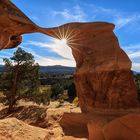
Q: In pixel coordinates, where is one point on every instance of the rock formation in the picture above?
(103, 77)
(102, 66)
(13, 23)
(124, 128)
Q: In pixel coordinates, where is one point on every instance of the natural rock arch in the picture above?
(102, 66)
(103, 77)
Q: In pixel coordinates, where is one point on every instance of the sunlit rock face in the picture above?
(103, 76)
(13, 23)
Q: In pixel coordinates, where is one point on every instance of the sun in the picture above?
(63, 41)
(67, 36)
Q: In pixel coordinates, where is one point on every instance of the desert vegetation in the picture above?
(36, 97)
(21, 79)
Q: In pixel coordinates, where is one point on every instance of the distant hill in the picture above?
(51, 69)
(135, 72)
(56, 69)
(1, 68)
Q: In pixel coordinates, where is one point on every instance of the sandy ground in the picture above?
(32, 122)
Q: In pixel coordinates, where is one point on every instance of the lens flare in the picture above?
(69, 36)
(64, 41)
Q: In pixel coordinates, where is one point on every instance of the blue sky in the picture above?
(125, 14)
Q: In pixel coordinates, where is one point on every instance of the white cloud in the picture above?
(35, 18)
(119, 18)
(48, 61)
(1, 62)
(4, 54)
(74, 14)
(123, 21)
(134, 54)
(132, 46)
(55, 46)
(90, 12)
(136, 67)
(133, 50)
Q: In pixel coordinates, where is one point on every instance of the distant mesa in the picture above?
(56, 69)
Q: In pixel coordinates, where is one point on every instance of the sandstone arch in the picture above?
(103, 76)
(102, 66)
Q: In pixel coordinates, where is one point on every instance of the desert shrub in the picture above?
(57, 90)
(43, 97)
(76, 101)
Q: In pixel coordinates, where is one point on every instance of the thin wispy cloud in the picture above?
(66, 60)
(4, 54)
(79, 11)
(55, 46)
(35, 18)
(119, 18)
(132, 47)
(133, 51)
(136, 66)
(123, 21)
(1, 62)
(133, 55)
(74, 14)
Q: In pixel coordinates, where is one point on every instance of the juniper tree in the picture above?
(20, 78)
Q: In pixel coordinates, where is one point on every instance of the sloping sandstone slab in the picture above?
(14, 129)
(84, 125)
(123, 128)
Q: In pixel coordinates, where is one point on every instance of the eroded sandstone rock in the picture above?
(14, 23)
(103, 76)
(123, 128)
(102, 66)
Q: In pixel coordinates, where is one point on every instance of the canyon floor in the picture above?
(29, 121)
